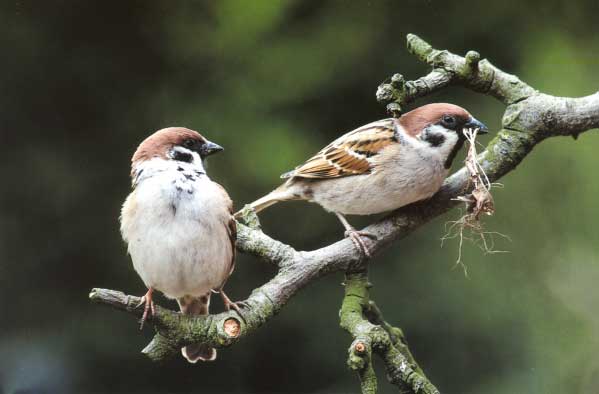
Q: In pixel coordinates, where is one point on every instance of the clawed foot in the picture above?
(149, 309)
(356, 237)
(232, 305)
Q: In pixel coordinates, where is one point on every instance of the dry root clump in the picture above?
(479, 201)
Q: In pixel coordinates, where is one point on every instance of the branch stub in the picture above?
(398, 81)
(360, 347)
(472, 59)
(232, 327)
(394, 109)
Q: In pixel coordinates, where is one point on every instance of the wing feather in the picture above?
(231, 225)
(349, 154)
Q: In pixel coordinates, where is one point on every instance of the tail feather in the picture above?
(195, 306)
(200, 352)
(270, 199)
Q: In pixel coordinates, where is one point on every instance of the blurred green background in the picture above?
(83, 82)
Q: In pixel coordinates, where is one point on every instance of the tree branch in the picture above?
(529, 118)
(353, 321)
(363, 320)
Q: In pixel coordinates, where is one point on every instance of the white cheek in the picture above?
(197, 162)
(450, 138)
(149, 168)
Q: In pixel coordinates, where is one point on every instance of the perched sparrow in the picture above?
(379, 167)
(179, 225)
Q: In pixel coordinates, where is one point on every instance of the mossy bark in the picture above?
(372, 335)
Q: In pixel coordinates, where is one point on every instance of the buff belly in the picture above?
(410, 181)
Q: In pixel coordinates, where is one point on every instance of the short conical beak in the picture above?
(210, 148)
(474, 123)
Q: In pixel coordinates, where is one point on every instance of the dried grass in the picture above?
(479, 201)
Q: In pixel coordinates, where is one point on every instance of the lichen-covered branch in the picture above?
(260, 244)
(352, 320)
(371, 334)
(175, 330)
(529, 118)
(396, 335)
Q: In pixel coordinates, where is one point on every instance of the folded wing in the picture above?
(350, 154)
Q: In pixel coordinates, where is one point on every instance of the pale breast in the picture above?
(175, 226)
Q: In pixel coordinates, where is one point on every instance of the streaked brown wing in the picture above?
(232, 228)
(232, 231)
(349, 154)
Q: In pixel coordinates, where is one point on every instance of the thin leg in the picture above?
(230, 304)
(356, 236)
(148, 304)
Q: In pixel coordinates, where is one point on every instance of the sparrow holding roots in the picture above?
(178, 225)
(379, 167)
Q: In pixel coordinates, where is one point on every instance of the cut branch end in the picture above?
(232, 327)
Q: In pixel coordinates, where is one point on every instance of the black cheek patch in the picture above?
(183, 156)
(435, 140)
(308, 192)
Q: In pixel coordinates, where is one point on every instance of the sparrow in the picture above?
(178, 226)
(379, 167)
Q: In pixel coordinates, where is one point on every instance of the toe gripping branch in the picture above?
(372, 334)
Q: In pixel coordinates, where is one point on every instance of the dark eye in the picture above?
(189, 144)
(449, 121)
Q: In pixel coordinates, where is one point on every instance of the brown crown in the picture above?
(416, 120)
(159, 143)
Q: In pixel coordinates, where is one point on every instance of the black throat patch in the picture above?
(454, 152)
